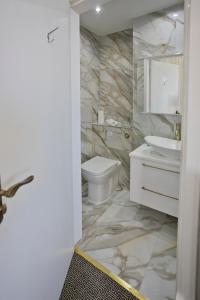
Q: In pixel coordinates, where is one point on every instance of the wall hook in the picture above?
(49, 38)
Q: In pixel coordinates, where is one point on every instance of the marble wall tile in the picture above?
(87, 146)
(116, 95)
(116, 76)
(160, 33)
(89, 76)
(116, 51)
(72, 1)
(119, 138)
(106, 83)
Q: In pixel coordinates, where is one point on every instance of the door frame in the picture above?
(188, 226)
(76, 122)
(190, 169)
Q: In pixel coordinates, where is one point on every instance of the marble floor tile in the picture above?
(116, 214)
(160, 278)
(134, 242)
(136, 251)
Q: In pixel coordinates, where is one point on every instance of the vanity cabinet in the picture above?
(154, 180)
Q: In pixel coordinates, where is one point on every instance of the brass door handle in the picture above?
(10, 192)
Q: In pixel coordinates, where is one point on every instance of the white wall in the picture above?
(36, 236)
(190, 181)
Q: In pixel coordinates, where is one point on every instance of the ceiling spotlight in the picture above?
(98, 9)
(175, 15)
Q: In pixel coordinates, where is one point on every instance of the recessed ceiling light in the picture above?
(175, 15)
(98, 9)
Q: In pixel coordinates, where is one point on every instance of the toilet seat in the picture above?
(99, 166)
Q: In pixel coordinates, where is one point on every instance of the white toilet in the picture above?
(102, 175)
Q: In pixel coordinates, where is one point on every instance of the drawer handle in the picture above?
(157, 193)
(154, 167)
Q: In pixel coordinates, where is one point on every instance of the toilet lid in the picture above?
(99, 165)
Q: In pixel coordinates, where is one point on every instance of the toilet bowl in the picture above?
(102, 175)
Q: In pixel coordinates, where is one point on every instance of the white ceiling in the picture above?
(59, 5)
(119, 14)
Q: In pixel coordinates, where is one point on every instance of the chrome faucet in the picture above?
(178, 131)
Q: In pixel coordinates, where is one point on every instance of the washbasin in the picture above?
(164, 146)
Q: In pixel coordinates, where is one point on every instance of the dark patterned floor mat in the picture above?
(88, 280)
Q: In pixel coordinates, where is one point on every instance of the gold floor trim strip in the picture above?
(113, 276)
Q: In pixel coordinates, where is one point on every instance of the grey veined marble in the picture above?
(108, 82)
(73, 1)
(134, 242)
(157, 34)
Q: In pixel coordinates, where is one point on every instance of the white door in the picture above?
(36, 235)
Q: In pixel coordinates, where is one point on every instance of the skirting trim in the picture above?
(113, 276)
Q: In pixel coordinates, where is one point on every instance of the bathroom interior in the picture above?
(131, 111)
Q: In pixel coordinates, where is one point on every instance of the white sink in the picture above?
(167, 147)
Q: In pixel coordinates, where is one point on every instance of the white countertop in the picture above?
(147, 152)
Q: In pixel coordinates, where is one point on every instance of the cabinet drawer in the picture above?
(161, 203)
(155, 186)
(159, 180)
(154, 182)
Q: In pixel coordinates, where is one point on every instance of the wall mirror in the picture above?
(159, 84)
